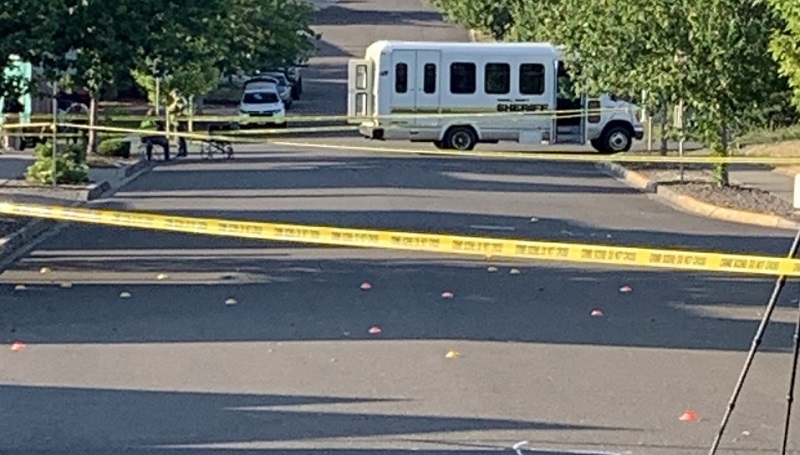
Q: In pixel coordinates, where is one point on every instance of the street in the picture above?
(230, 346)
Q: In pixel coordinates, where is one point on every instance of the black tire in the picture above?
(439, 145)
(616, 139)
(461, 138)
(598, 146)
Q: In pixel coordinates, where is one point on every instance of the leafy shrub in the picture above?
(115, 147)
(70, 166)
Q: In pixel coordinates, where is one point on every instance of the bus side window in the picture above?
(361, 77)
(429, 84)
(462, 78)
(531, 79)
(593, 107)
(497, 78)
(401, 78)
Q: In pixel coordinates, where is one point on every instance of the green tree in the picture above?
(25, 33)
(534, 20)
(489, 16)
(609, 46)
(731, 76)
(189, 45)
(713, 55)
(785, 45)
(92, 41)
(192, 79)
(612, 47)
(265, 33)
(182, 46)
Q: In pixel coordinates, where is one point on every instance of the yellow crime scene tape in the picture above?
(229, 134)
(436, 243)
(185, 135)
(538, 156)
(494, 154)
(19, 126)
(566, 113)
(240, 136)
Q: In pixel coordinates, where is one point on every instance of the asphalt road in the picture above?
(290, 367)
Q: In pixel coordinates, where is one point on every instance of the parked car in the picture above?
(284, 86)
(292, 73)
(262, 103)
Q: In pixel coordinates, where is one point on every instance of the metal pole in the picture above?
(792, 379)
(55, 132)
(158, 96)
(680, 153)
(6, 140)
(679, 121)
(762, 327)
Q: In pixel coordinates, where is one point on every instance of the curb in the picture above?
(106, 188)
(633, 178)
(693, 205)
(23, 239)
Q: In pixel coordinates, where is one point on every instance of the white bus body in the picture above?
(454, 94)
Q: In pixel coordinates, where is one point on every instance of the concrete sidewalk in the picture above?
(14, 166)
(764, 178)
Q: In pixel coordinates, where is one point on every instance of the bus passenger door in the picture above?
(592, 117)
(427, 75)
(570, 110)
(359, 90)
(402, 87)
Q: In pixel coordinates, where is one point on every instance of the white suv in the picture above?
(262, 103)
(284, 86)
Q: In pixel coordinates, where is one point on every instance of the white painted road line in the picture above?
(492, 228)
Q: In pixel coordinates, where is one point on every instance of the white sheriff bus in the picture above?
(451, 94)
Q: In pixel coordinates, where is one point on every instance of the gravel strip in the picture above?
(699, 184)
(737, 197)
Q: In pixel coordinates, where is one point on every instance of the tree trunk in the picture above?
(721, 148)
(91, 143)
(664, 131)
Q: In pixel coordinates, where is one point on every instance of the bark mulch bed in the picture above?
(698, 183)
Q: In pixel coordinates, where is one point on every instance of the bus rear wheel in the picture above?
(461, 138)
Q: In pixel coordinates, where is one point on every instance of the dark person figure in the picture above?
(151, 124)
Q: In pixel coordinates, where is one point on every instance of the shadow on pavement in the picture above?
(307, 292)
(432, 222)
(108, 418)
(387, 173)
(284, 296)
